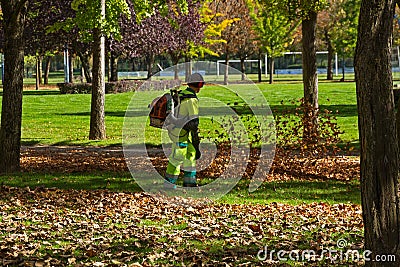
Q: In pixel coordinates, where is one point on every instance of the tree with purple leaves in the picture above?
(149, 38)
(171, 29)
(188, 31)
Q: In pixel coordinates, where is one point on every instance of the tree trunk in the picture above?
(329, 70)
(188, 68)
(40, 63)
(11, 113)
(38, 73)
(226, 70)
(71, 68)
(271, 61)
(114, 67)
(377, 130)
(47, 70)
(150, 62)
(259, 68)
(97, 114)
(310, 78)
(175, 60)
(86, 66)
(343, 67)
(133, 68)
(243, 68)
(107, 68)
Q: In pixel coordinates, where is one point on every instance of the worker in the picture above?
(183, 133)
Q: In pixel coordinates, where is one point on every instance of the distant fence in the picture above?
(159, 85)
(132, 74)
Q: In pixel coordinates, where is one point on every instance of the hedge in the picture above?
(119, 86)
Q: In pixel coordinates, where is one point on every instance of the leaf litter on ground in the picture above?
(286, 165)
(53, 227)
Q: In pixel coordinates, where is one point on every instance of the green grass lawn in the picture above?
(50, 118)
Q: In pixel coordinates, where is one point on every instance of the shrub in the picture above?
(111, 87)
(75, 88)
(123, 86)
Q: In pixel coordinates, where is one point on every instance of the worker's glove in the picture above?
(196, 143)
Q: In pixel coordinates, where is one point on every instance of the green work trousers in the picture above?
(183, 153)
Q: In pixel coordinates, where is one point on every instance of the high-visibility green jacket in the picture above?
(187, 116)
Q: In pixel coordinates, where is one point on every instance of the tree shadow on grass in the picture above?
(296, 192)
(41, 92)
(76, 181)
(240, 109)
(338, 110)
(107, 113)
(31, 142)
(88, 143)
(38, 92)
(293, 192)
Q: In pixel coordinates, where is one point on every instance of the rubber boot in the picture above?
(189, 179)
(170, 181)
